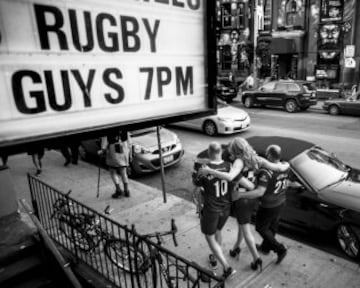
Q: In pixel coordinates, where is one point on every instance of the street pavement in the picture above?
(304, 266)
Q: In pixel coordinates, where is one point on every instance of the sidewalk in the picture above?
(303, 267)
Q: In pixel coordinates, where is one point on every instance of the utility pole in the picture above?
(256, 32)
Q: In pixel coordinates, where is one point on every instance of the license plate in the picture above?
(168, 159)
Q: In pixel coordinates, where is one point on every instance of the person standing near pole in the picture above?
(271, 188)
(118, 157)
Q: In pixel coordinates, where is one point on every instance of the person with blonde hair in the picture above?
(245, 163)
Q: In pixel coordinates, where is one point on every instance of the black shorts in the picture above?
(243, 209)
(212, 221)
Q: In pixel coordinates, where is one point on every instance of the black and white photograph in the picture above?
(179, 143)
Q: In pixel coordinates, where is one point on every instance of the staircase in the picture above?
(29, 265)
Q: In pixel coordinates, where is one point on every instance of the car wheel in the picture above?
(334, 110)
(249, 102)
(348, 239)
(291, 106)
(209, 128)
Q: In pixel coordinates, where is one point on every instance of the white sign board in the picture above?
(350, 63)
(349, 51)
(71, 66)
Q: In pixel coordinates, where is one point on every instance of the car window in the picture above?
(319, 168)
(308, 87)
(143, 131)
(268, 87)
(281, 87)
(293, 87)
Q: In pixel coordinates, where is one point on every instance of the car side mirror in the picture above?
(262, 89)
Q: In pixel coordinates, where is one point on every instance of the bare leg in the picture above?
(125, 180)
(250, 240)
(239, 238)
(115, 178)
(217, 251)
(218, 237)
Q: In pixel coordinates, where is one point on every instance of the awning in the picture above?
(284, 46)
(287, 42)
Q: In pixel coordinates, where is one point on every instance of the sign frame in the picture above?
(51, 140)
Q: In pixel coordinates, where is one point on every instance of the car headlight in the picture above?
(177, 140)
(138, 149)
(225, 119)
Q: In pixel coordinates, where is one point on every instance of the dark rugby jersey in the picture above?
(217, 192)
(275, 183)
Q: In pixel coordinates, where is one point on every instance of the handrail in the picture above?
(65, 266)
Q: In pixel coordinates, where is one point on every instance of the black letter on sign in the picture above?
(18, 92)
(152, 34)
(177, 3)
(44, 28)
(114, 85)
(85, 88)
(75, 31)
(150, 71)
(163, 81)
(127, 33)
(194, 6)
(51, 91)
(184, 81)
(114, 46)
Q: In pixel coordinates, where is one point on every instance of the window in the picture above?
(281, 87)
(226, 15)
(268, 87)
(293, 87)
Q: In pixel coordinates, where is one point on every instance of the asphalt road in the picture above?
(338, 134)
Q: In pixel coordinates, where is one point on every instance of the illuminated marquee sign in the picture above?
(71, 66)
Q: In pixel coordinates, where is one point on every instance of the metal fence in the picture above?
(116, 252)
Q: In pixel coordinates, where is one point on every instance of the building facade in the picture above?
(299, 39)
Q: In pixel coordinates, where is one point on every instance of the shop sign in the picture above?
(349, 51)
(350, 63)
(76, 66)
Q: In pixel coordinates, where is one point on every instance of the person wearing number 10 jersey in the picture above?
(271, 188)
(216, 207)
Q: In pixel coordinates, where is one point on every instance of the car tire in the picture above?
(334, 110)
(348, 238)
(248, 102)
(291, 106)
(210, 128)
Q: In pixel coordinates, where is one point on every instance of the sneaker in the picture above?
(262, 250)
(281, 255)
(38, 172)
(228, 273)
(212, 262)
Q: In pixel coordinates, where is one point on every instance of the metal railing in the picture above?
(116, 252)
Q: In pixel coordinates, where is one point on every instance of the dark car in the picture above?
(323, 193)
(225, 91)
(292, 95)
(349, 106)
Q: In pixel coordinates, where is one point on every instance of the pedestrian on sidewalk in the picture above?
(37, 153)
(272, 190)
(70, 151)
(245, 163)
(216, 207)
(117, 149)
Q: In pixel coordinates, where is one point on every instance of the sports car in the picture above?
(323, 192)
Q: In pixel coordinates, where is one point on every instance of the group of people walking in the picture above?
(234, 180)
